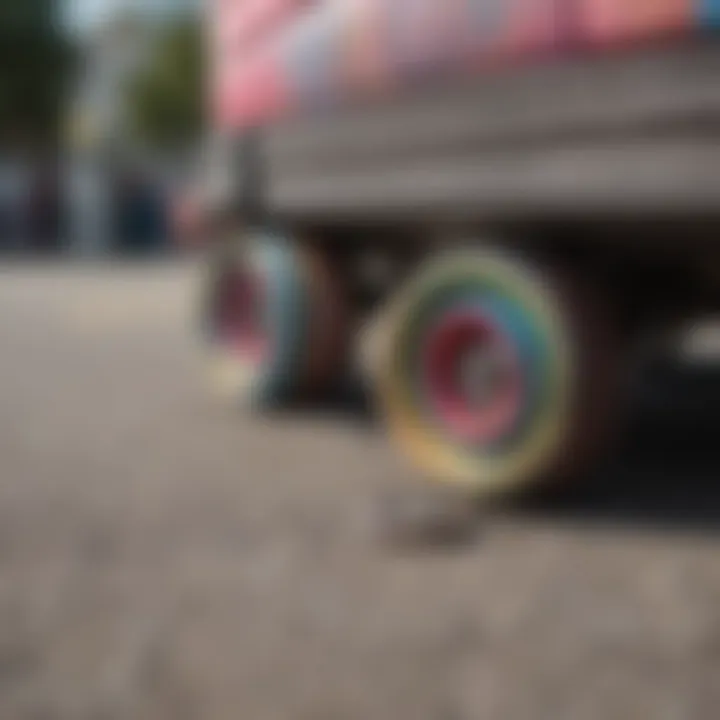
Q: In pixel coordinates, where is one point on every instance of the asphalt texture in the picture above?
(162, 558)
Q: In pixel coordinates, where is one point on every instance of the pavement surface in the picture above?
(163, 559)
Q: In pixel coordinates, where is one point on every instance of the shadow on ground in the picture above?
(348, 402)
(666, 473)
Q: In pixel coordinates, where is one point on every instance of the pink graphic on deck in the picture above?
(275, 57)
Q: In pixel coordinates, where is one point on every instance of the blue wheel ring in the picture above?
(284, 317)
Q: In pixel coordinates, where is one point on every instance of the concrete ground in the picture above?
(161, 559)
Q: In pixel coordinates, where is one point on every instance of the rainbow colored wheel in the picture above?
(482, 378)
(274, 321)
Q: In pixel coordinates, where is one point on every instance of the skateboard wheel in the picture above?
(489, 377)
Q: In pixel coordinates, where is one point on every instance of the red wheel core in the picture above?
(473, 378)
(239, 316)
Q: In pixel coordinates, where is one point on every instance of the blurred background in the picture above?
(100, 111)
(160, 560)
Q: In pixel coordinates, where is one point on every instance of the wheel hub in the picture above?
(473, 378)
(483, 373)
(239, 315)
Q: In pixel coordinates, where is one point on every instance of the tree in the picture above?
(164, 98)
(35, 62)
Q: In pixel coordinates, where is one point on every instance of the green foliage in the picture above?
(27, 15)
(35, 61)
(165, 97)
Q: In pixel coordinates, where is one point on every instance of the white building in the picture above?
(110, 53)
(112, 50)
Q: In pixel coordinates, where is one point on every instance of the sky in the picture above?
(84, 14)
